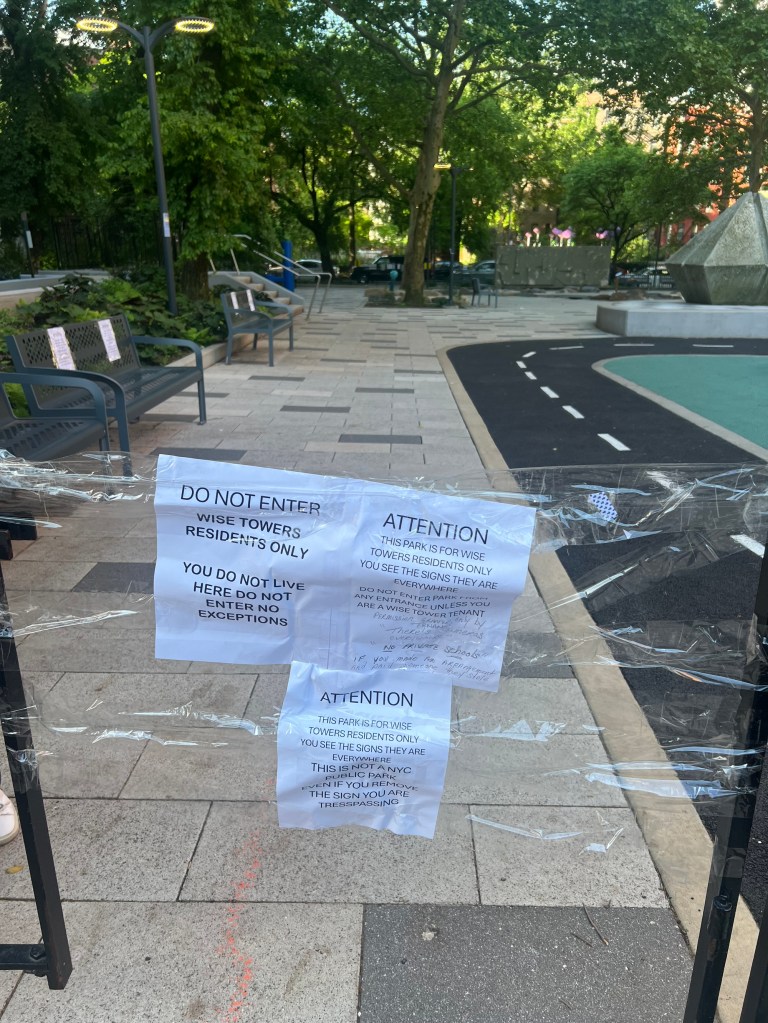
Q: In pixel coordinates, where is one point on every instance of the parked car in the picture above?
(442, 268)
(379, 270)
(485, 271)
(311, 266)
(651, 277)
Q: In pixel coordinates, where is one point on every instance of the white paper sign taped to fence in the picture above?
(362, 749)
(260, 566)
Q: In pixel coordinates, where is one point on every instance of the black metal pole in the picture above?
(734, 827)
(157, 149)
(452, 250)
(52, 959)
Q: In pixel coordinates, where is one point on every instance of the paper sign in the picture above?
(260, 566)
(362, 749)
(60, 350)
(251, 305)
(110, 341)
(235, 304)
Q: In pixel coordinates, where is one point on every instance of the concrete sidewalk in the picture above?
(184, 900)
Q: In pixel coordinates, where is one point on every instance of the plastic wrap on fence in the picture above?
(578, 505)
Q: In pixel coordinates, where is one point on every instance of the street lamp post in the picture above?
(147, 38)
(455, 171)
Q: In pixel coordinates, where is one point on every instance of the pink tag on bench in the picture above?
(60, 350)
(110, 341)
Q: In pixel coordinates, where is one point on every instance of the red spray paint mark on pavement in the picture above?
(251, 853)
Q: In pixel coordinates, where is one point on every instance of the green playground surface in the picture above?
(730, 390)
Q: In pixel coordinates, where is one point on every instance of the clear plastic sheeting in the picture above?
(621, 561)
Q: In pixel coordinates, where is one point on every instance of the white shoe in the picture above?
(9, 819)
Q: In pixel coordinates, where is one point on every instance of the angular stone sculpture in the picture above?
(727, 262)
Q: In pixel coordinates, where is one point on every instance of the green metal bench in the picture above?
(106, 353)
(40, 439)
(246, 313)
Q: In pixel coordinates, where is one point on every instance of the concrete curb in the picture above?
(677, 840)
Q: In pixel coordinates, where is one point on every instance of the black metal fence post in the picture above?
(734, 827)
(52, 958)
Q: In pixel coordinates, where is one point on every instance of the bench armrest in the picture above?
(53, 379)
(171, 342)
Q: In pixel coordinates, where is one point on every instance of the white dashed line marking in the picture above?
(521, 364)
(528, 355)
(613, 442)
(713, 346)
(633, 344)
(550, 393)
(567, 348)
(750, 544)
(531, 376)
(573, 412)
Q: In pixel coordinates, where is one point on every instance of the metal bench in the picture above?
(106, 353)
(479, 289)
(247, 313)
(39, 439)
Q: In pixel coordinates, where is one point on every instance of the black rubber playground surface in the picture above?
(544, 405)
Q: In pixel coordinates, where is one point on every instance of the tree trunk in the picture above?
(194, 278)
(427, 180)
(352, 235)
(757, 145)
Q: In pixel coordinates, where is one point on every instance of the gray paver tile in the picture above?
(112, 850)
(545, 706)
(19, 926)
(465, 964)
(168, 964)
(528, 871)
(510, 771)
(347, 864)
(124, 650)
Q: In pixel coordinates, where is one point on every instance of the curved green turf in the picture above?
(730, 390)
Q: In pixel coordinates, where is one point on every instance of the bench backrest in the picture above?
(90, 345)
(246, 306)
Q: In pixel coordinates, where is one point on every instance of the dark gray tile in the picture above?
(414, 355)
(379, 438)
(535, 655)
(268, 376)
(329, 359)
(384, 390)
(212, 454)
(315, 408)
(309, 348)
(462, 964)
(118, 577)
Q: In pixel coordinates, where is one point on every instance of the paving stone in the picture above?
(114, 850)
(505, 770)
(533, 708)
(119, 576)
(433, 964)
(535, 655)
(20, 926)
(124, 650)
(168, 964)
(211, 454)
(347, 864)
(529, 869)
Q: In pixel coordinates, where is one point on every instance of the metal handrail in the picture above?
(319, 275)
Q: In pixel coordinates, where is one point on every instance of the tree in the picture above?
(317, 171)
(211, 93)
(701, 64)
(45, 132)
(623, 188)
(431, 54)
